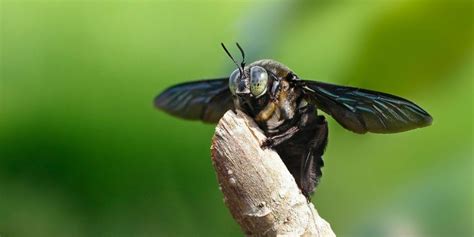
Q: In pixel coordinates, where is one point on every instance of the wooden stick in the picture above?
(258, 189)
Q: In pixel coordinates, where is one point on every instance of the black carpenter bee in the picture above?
(285, 108)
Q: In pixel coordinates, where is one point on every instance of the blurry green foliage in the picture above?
(84, 153)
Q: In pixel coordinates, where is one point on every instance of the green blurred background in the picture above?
(84, 153)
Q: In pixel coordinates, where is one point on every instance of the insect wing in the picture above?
(205, 100)
(361, 110)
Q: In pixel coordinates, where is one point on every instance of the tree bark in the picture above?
(258, 189)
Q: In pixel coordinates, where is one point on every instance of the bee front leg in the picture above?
(276, 140)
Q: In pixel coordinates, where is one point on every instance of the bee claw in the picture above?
(267, 144)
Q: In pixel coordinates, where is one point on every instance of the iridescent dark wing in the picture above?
(205, 100)
(362, 111)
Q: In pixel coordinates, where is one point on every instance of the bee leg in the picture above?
(312, 161)
(307, 113)
(302, 153)
(276, 140)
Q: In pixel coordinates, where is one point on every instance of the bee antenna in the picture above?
(242, 64)
(230, 56)
(241, 68)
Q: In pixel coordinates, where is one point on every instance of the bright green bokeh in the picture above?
(84, 153)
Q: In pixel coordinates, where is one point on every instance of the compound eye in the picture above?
(258, 81)
(233, 81)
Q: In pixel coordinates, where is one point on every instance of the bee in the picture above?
(286, 108)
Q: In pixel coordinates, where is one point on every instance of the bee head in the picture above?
(247, 83)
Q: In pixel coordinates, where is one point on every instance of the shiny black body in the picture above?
(287, 112)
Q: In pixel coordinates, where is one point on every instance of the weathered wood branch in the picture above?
(258, 189)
